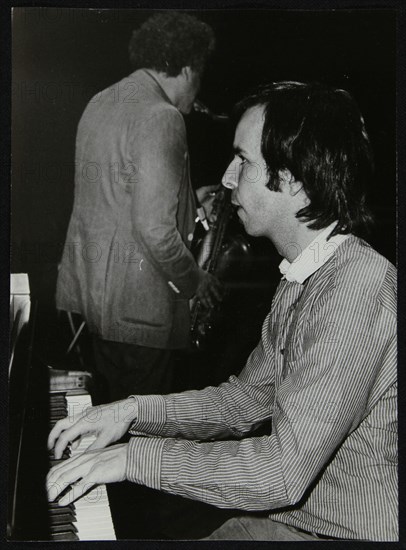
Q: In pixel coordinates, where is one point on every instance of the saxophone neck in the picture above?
(200, 107)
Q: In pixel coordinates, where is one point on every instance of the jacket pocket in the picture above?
(145, 297)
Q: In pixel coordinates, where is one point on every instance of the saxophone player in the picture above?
(127, 267)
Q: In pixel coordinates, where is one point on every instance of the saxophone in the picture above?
(215, 253)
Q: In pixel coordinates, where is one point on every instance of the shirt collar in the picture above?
(313, 256)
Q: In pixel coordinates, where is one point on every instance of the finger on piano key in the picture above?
(91, 513)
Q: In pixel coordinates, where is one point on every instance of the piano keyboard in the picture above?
(88, 518)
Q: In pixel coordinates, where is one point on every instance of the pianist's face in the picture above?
(262, 211)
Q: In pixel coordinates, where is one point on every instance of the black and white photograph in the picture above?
(203, 275)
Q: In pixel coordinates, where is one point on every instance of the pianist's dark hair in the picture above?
(169, 41)
(318, 134)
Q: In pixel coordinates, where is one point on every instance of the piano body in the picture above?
(38, 397)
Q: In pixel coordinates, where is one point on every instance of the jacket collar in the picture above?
(151, 82)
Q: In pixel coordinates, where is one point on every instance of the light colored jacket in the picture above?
(126, 265)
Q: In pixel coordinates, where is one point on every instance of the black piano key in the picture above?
(59, 408)
(58, 405)
(58, 519)
(57, 398)
(66, 535)
(57, 414)
(66, 527)
(55, 506)
(66, 454)
(62, 511)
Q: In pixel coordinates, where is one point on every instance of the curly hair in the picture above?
(318, 134)
(169, 41)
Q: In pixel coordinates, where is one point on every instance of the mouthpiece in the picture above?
(200, 107)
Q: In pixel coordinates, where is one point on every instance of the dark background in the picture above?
(61, 57)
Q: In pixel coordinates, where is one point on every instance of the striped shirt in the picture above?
(324, 374)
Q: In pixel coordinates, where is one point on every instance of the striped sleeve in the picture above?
(232, 409)
(151, 415)
(144, 457)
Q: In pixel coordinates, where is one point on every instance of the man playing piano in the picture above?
(323, 375)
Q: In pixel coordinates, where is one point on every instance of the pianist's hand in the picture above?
(108, 423)
(78, 475)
